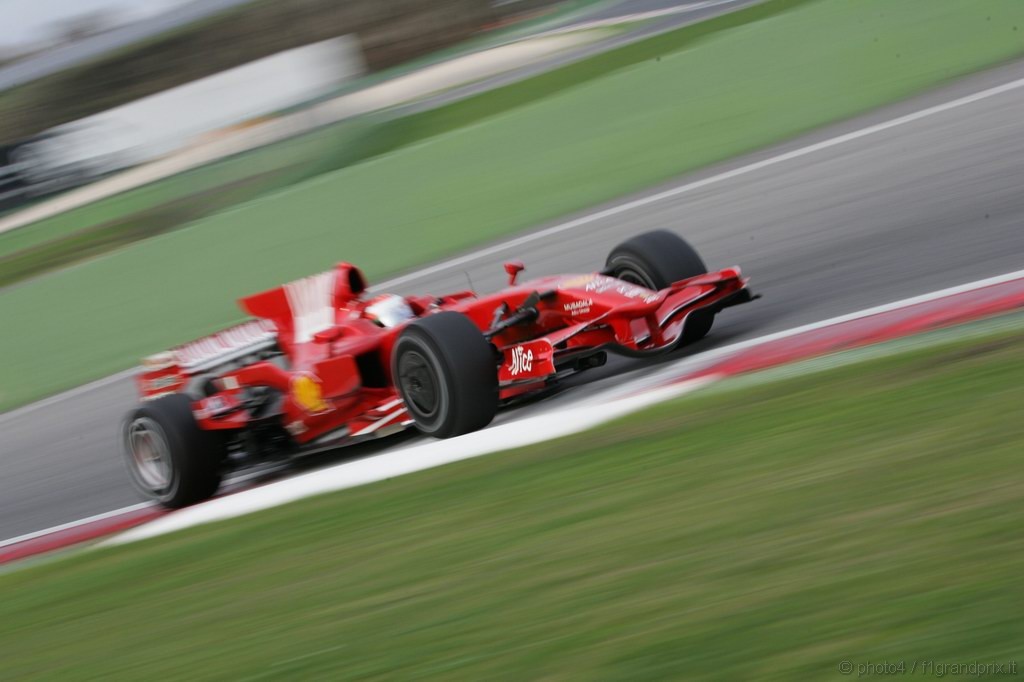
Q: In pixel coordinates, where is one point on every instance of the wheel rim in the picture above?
(419, 384)
(149, 454)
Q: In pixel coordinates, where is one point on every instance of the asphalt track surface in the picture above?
(928, 204)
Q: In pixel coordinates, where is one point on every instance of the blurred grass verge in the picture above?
(865, 513)
(413, 190)
(58, 241)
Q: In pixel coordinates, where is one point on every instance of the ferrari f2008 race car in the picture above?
(324, 364)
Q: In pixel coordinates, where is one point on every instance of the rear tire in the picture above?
(169, 458)
(446, 373)
(657, 259)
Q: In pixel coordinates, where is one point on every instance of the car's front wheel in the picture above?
(446, 372)
(169, 458)
(657, 259)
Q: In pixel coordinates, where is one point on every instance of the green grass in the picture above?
(866, 513)
(705, 96)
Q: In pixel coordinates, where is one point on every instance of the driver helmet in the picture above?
(389, 310)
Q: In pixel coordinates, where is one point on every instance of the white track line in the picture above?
(70, 393)
(713, 354)
(886, 307)
(230, 481)
(599, 215)
(73, 524)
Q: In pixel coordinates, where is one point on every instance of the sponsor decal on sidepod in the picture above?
(522, 361)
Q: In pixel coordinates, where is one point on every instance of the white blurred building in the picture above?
(160, 124)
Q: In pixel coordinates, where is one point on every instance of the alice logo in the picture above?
(522, 361)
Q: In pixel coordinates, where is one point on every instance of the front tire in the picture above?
(169, 458)
(657, 259)
(446, 373)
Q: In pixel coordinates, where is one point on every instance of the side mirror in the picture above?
(513, 268)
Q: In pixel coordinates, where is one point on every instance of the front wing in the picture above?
(648, 327)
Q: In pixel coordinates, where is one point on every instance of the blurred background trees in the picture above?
(389, 32)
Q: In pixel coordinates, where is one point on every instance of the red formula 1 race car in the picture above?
(324, 364)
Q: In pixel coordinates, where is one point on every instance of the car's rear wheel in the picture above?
(446, 373)
(657, 259)
(169, 458)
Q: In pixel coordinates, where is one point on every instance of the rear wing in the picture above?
(225, 346)
(300, 309)
(287, 315)
(170, 371)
